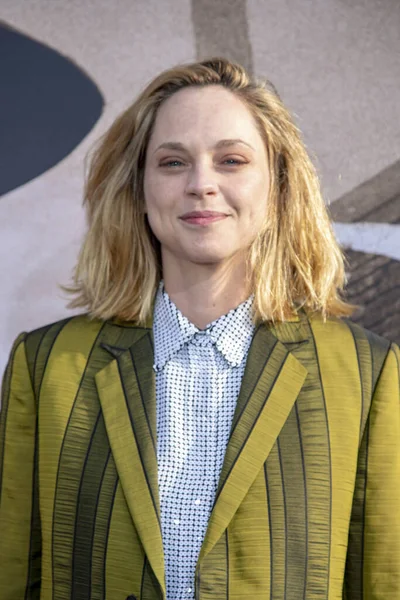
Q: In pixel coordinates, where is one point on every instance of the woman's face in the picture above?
(206, 178)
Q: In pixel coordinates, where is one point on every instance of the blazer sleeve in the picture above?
(373, 565)
(20, 540)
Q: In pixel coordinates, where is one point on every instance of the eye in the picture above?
(234, 161)
(172, 163)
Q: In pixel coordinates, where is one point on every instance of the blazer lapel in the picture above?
(127, 395)
(271, 383)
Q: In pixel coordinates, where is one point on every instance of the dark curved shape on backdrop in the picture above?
(47, 107)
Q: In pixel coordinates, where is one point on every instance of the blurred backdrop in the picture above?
(69, 68)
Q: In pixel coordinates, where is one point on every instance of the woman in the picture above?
(212, 427)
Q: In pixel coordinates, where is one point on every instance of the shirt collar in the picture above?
(231, 333)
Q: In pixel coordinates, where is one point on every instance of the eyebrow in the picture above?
(220, 144)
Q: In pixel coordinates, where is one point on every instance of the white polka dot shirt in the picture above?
(198, 378)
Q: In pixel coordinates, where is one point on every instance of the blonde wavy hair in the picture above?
(295, 261)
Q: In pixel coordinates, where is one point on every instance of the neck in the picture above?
(204, 293)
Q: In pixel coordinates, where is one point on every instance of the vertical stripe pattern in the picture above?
(35, 545)
(213, 576)
(83, 454)
(315, 449)
(20, 560)
(277, 510)
(105, 503)
(308, 495)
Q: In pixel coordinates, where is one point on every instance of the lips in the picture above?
(203, 217)
(202, 214)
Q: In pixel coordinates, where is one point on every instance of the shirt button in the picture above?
(197, 501)
(176, 521)
(189, 590)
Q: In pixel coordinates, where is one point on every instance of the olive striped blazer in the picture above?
(308, 503)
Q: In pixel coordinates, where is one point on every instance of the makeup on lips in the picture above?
(205, 217)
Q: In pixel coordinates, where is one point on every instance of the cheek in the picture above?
(159, 196)
(159, 207)
(253, 202)
(253, 189)
(153, 206)
(253, 211)
(150, 192)
(260, 197)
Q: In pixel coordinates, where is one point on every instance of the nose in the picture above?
(201, 181)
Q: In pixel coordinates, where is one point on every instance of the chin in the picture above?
(206, 262)
(209, 257)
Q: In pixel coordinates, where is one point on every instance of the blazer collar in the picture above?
(272, 381)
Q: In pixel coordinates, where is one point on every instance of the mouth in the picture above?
(203, 217)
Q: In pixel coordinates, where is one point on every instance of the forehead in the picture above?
(212, 112)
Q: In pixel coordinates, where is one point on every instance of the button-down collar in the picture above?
(230, 333)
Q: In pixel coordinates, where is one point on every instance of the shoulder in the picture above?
(77, 328)
(344, 340)
(74, 333)
(31, 349)
(346, 329)
(79, 336)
